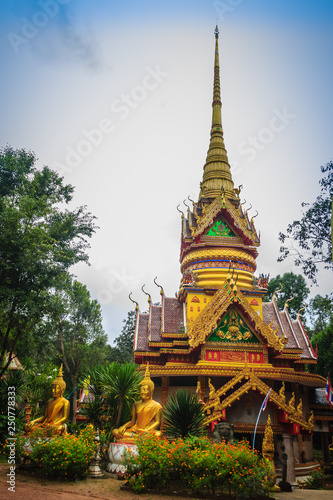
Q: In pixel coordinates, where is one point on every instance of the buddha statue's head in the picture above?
(58, 385)
(147, 386)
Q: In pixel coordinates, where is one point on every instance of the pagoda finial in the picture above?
(217, 175)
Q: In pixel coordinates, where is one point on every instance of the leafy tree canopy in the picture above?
(320, 313)
(308, 241)
(39, 241)
(323, 341)
(123, 352)
(293, 287)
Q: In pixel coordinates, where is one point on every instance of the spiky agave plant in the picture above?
(183, 415)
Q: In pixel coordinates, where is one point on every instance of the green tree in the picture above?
(294, 287)
(123, 350)
(75, 324)
(39, 241)
(309, 240)
(183, 415)
(323, 341)
(320, 313)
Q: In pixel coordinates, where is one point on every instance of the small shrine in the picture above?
(218, 337)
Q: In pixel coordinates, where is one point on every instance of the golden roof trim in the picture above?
(208, 319)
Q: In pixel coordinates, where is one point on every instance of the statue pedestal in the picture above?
(116, 455)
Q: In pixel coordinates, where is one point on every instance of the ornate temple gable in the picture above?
(233, 329)
(243, 227)
(211, 316)
(252, 382)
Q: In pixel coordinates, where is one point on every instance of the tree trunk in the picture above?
(120, 409)
(74, 402)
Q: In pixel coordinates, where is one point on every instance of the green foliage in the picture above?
(293, 285)
(324, 342)
(183, 415)
(310, 238)
(114, 388)
(197, 465)
(123, 352)
(95, 411)
(38, 243)
(18, 380)
(319, 312)
(316, 480)
(65, 456)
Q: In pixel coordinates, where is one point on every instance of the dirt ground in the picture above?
(31, 487)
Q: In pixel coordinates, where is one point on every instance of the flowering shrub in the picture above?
(316, 479)
(197, 465)
(65, 456)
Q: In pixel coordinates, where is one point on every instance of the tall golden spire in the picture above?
(217, 176)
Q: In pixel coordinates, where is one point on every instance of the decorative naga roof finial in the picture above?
(277, 291)
(134, 302)
(146, 293)
(162, 291)
(289, 300)
(217, 174)
(302, 309)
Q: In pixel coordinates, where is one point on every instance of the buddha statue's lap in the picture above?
(146, 414)
(56, 410)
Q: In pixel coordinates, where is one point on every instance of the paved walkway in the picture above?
(41, 492)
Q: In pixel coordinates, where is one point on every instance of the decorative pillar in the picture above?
(325, 447)
(289, 449)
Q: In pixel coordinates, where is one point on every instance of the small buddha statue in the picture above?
(56, 410)
(146, 414)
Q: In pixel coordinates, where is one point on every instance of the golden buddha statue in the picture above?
(146, 414)
(56, 409)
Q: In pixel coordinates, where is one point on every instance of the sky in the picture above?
(116, 96)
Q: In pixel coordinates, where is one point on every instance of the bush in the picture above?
(316, 480)
(183, 415)
(197, 465)
(65, 456)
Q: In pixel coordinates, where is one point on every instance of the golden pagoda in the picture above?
(218, 337)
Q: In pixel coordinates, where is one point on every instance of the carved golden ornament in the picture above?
(277, 291)
(233, 333)
(289, 300)
(222, 253)
(240, 221)
(268, 441)
(253, 382)
(282, 391)
(208, 319)
(292, 402)
(299, 410)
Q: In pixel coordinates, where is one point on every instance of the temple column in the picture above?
(289, 449)
(325, 447)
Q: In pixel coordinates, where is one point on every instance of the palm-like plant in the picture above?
(120, 383)
(183, 415)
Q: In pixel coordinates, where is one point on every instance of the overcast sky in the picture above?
(116, 96)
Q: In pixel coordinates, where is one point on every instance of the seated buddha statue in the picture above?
(146, 414)
(56, 409)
